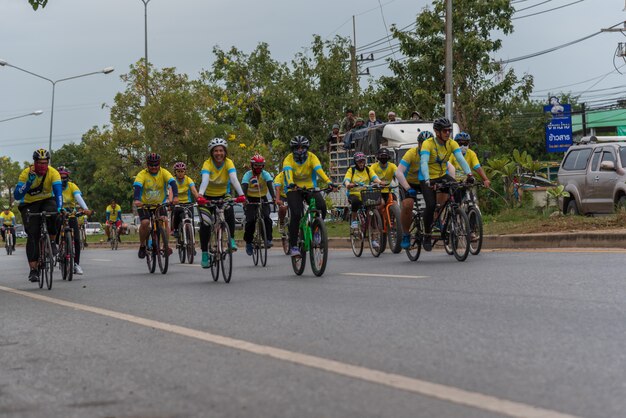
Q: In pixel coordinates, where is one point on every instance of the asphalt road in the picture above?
(503, 334)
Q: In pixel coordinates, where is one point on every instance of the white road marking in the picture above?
(99, 259)
(397, 276)
(421, 387)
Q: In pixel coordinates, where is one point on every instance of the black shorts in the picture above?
(145, 213)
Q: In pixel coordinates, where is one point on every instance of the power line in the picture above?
(577, 83)
(546, 11)
(534, 5)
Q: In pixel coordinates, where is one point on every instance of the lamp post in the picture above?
(145, 18)
(35, 113)
(106, 70)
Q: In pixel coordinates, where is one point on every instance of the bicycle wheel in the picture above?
(226, 258)
(375, 232)
(262, 236)
(319, 247)
(476, 230)
(357, 236)
(298, 263)
(163, 255)
(113, 238)
(416, 232)
(191, 247)
(459, 234)
(151, 253)
(445, 236)
(214, 253)
(9, 243)
(394, 231)
(83, 238)
(180, 244)
(48, 262)
(69, 255)
(61, 258)
(284, 237)
(256, 245)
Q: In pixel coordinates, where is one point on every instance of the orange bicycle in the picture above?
(392, 229)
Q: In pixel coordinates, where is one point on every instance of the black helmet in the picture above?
(383, 155)
(299, 141)
(41, 154)
(153, 158)
(442, 123)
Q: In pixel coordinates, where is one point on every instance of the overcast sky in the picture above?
(72, 37)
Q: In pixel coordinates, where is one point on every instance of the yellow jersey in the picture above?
(472, 161)
(438, 156)
(219, 177)
(69, 199)
(385, 174)
(359, 177)
(184, 189)
(411, 161)
(41, 188)
(116, 211)
(153, 187)
(257, 185)
(279, 180)
(304, 174)
(7, 219)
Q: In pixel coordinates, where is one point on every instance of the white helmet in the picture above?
(217, 142)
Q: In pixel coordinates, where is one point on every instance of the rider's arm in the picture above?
(13, 220)
(174, 187)
(81, 202)
(232, 173)
(270, 189)
(461, 160)
(400, 175)
(57, 189)
(204, 183)
(244, 186)
(317, 167)
(24, 182)
(194, 192)
(373, 175)
(137, 191)
(424, 157)
(451, 169)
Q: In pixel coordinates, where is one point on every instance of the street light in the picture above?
(35, 113)
(106, 70)
(145, 7)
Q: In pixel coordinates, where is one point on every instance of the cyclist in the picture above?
(256, 183)
(7, 220)
(150, 187)
(434, 157)
(113, 216)
(409, 177)
(463, 139)
(186, 189)
(358, 175)
(218, 174)
(302, 168)
(38, 190)
(73, 197)
(386, 172)
(280, 191)
(82, 221)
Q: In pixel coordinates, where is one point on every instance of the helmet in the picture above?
(359, 156)
(299, 141)
(216, 142)
(257, 159)
(180, 166)
(442, 123)
(462, 138)
(424, 135)
(64, 170)
(383, 155)
(41, 154)
(153, 158)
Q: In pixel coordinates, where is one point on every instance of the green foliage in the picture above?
(9, 172)
(36, 3)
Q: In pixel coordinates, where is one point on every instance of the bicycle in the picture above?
(66, 257)
(284, 233)
(220, 251)
(157, 249)
(8, 241)
(450, 222)
(312, 236)
(392, 229)
(45, 262)
(83, 235)
(259, 240)
(469, 203)
(370, 222)
(185, 242)
(115, 239)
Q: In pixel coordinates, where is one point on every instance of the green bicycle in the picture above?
(312, 236)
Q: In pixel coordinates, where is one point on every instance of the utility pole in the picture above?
(584, 118)
(355, 81)
(449, 42)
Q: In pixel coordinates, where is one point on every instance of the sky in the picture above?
(74, 37)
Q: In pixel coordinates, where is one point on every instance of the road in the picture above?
(504, 334)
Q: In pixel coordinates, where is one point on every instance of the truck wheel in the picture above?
(620, 206)
(572, 209)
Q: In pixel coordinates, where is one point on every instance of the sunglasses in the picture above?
(154, 165)
(446, 130)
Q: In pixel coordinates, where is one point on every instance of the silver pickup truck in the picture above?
(594, 174)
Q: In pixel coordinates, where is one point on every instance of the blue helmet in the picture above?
(424, 135)
(463, 138)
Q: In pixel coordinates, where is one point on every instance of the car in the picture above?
(19, 231)
(240, 216)
(593, 172)
(274, 218)
(130, 220)
(94, 228)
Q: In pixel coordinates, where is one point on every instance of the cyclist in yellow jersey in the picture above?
(463, 139)
(38, 190)
(280, 191)
(72, 197)
(150, 188)
(434, 157)
(7, 224)
(256, 184)
(302, 169)
(218, 174)
(112, 216)
(186, 189)
(358, 175)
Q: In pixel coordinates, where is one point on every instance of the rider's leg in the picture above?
(320, 203)
(74, 225)
(107, 230)
(32, 229)
(406, 214)
(268, 222)
(296, 207)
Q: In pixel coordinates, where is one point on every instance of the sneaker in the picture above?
(33, 276)
(354, 225)
(233, 244)
(77, 269)
(427, 243)
(406, 241)
(375, 244)
(142, 251)
(249, 248)
(269, 244)
(55, 249)
(295, 252)
(205, 260)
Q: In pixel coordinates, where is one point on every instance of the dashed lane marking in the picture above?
(397, 276)
(421, 387)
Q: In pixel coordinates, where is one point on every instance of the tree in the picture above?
(9, 172)
(484, 90)
(36, 3)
